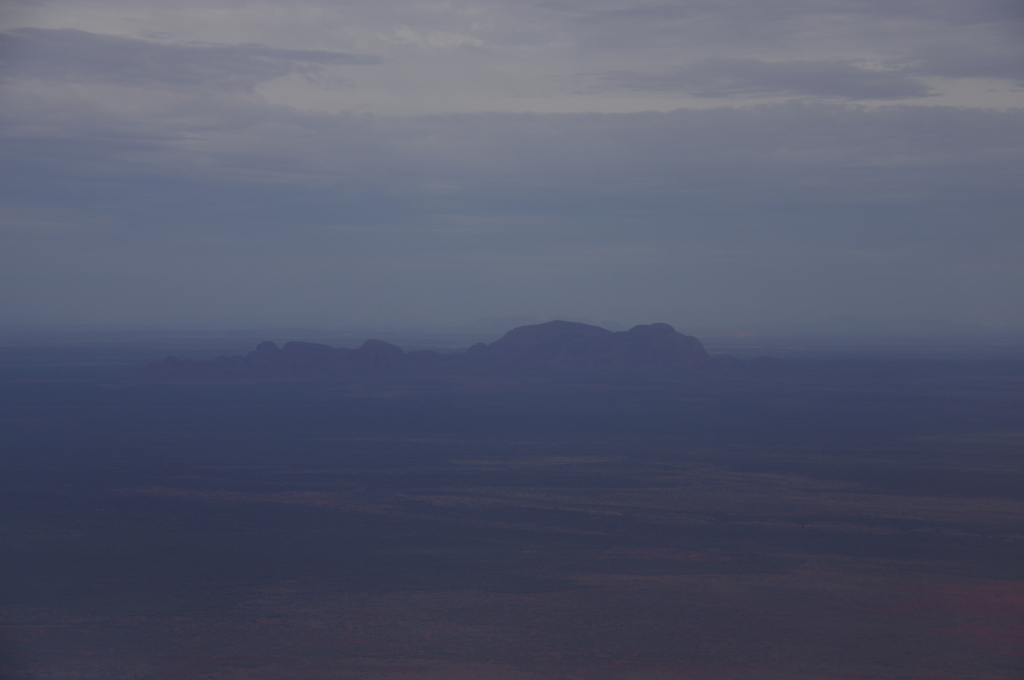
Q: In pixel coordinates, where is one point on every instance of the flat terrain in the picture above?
(848, 520)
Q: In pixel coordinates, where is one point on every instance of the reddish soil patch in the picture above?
(995, 611)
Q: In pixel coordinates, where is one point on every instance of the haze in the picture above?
(700, 163)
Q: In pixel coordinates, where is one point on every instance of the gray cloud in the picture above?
(73, 55)
(148, 178)
(803, 172)
(966, 60)
(473, 55)
(723, 78)
(743, 13)
(740, 25)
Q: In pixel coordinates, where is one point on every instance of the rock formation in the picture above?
(556, 346)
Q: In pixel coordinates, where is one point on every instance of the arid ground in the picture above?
(847, 520)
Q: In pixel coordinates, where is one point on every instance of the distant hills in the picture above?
(555, 346)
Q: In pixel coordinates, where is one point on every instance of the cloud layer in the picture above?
(78, 56)
(698, 163)
(728, 78)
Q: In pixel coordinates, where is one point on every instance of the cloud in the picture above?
(245, 167)
(435, 39)
(80, 56)
(465, 172)
(725, 78)
(494, 55)
(739, 26)
(966, 60)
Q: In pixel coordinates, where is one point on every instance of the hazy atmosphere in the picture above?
(512, 339)
(720, 162)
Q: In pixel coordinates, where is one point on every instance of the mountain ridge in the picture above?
(554, 346)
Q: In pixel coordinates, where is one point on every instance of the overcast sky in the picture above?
(704, 162)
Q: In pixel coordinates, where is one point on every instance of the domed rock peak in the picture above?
(555, 345)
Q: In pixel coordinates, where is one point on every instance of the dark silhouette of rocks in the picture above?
(552, 347)
(568, 345)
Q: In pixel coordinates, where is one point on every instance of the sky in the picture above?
(701, 162)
